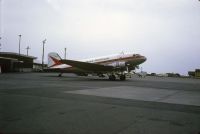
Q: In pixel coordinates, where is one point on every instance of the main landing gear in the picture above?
(112, 77)
(122, 77)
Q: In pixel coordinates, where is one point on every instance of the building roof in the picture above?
(7, 58)
(15, 55)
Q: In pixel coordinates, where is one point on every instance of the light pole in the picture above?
(19, 42)
(0, 43)
(65, 52)
(27, 48)
(43, 42)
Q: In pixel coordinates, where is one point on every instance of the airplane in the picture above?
(113, 66)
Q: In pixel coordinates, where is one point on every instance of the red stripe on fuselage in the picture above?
(119, 59)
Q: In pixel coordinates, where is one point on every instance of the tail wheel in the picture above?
(60, 75)
(122, 77)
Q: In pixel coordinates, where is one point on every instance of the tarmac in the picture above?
(45, 103)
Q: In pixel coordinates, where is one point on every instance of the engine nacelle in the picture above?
(117, 64)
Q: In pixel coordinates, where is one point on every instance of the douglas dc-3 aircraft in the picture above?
(114, 66)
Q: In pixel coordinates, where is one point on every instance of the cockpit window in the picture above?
(136, 55)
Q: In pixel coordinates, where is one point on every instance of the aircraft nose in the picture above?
(143, 58)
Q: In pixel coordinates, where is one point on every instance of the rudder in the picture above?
(53, 59)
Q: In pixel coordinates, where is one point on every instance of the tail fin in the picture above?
(53, 59)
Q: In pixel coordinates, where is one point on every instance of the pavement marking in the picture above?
(145, 94)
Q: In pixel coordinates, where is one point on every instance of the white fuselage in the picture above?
(111, 60)
(105, 60)
(112, 65)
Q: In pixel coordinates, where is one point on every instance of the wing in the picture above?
(91, 67)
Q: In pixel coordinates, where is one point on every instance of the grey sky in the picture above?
(167, 32)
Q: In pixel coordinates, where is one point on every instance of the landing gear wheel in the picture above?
(60, 75)
(112, 77)
(122, 77)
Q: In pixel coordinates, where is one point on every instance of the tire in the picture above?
(112, 77)
(122, 77)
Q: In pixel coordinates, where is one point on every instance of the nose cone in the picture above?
(137, 60)
(143, 59)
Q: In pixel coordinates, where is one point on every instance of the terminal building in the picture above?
(194, 74)
(14, 62)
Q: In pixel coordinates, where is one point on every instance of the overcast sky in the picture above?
(167, 32)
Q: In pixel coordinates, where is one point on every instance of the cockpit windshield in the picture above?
(136, 55)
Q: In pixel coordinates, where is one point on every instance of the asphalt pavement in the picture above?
(45, 103)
